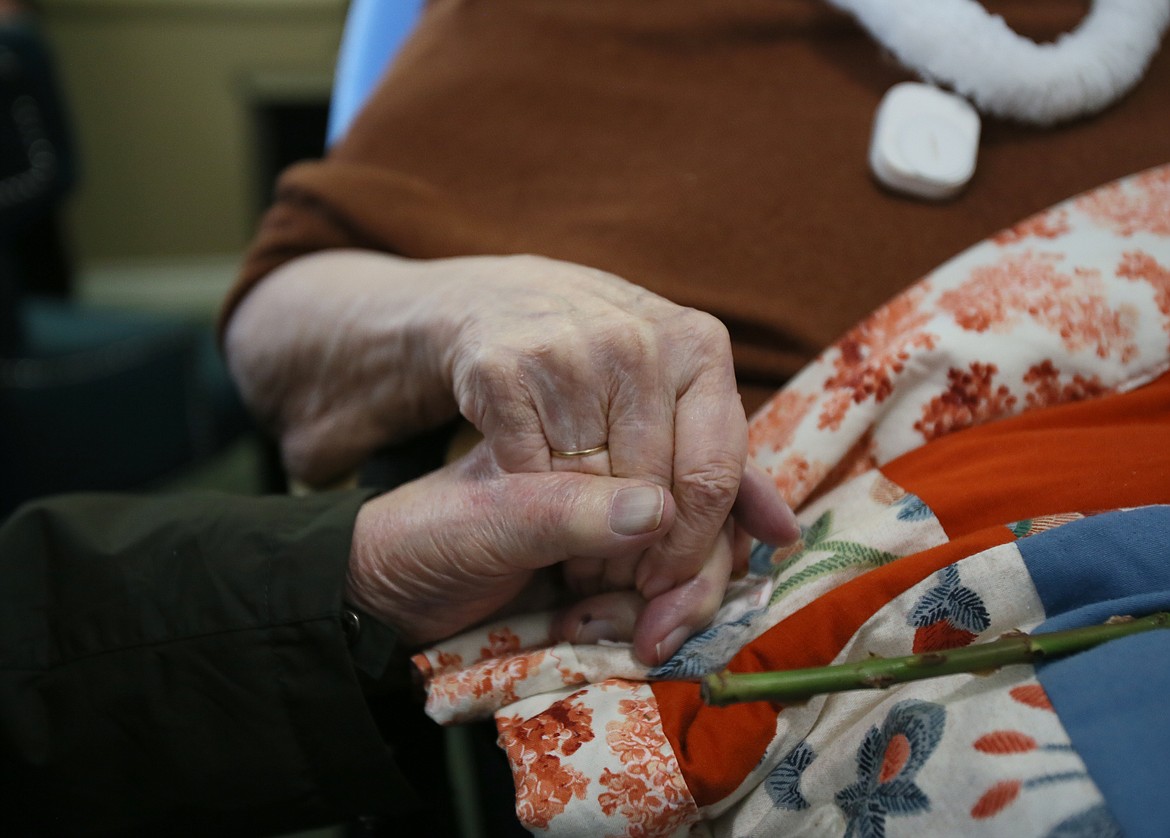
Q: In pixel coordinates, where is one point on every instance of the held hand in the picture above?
(562, 358)
(541, 355)
(451, 549)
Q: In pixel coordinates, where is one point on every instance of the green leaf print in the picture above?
(819, 530)
(1021, 528)
(844, 555)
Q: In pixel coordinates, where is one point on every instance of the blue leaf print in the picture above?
(922, 724)
(951, 601)
(869, 755)
(968, 611)
(1021, 528)
(902, 797)
(867, 802)
(931, 608)
(760, 560)
(913, 509)
(705, 652)
(783, 783)
(1092, 823)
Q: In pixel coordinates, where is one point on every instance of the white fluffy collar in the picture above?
(958, 44)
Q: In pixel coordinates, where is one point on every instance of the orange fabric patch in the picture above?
(717, 747)
(1086, 456)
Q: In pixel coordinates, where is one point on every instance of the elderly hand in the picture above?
(563, 358)
(451, 549)
(346, 351)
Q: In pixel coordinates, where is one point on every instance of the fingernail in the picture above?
(656, 585)
(788, 519)
(671, 643)
(636, 510)
(591, 631)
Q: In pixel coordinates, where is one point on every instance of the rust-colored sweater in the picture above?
(713, 151)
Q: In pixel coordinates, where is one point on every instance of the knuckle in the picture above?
(485, 381)
(706, 328)
(704, 339)
(711, 487)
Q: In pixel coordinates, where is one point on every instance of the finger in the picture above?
(761, 510)
(530, 401)
(641, 447)
(741, 553)
(605, 617)
(545, 519)
(670, 618)
(592, 460)
(586, 576)
(709, 455)
(571, 402)
(641, 417)
(639, 444)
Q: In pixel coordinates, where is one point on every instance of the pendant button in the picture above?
(924, 142)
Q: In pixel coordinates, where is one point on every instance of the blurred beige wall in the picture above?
(161, 93)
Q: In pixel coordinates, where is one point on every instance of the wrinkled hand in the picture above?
(451, 549)
(563, 357)
(343, 352)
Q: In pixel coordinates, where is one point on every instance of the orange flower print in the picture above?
(1141, 266)
(796, 477)
(996, 799)
(1138, 205)
(534, 747)
(501, 642)
(569, 677)
(1006, 742)
(1031, 695)
(1046, 389)
(650, 793)
(1044, 225)
(1028, 286)
(423, 665)
(970, 399)
(873, 352)
(775, 424)
(497, 677)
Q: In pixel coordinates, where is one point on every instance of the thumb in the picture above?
(546, 518)
(445, 551)
(761, 511)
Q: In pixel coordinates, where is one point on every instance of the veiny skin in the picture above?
(343, 352)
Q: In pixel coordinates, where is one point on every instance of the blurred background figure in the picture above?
(91, 397)
(37, 169)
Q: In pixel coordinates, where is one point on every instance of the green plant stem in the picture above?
(797, 685)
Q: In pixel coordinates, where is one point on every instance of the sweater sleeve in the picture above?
(179, 665)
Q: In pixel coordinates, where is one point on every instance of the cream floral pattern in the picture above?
(650, 793)
(544, 786)
(1085, 289)
(1140, 204)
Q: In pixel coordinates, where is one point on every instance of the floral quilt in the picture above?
(989, 451)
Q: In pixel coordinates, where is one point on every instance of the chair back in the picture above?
(374, 30)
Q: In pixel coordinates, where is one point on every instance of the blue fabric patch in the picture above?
(1112, 699)
(1085, 569)
(1112, 702)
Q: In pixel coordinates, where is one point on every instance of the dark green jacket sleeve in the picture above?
(178, 665)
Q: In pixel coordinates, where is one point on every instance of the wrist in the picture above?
(340, 353)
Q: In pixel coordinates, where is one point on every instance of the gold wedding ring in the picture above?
(584, 452)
